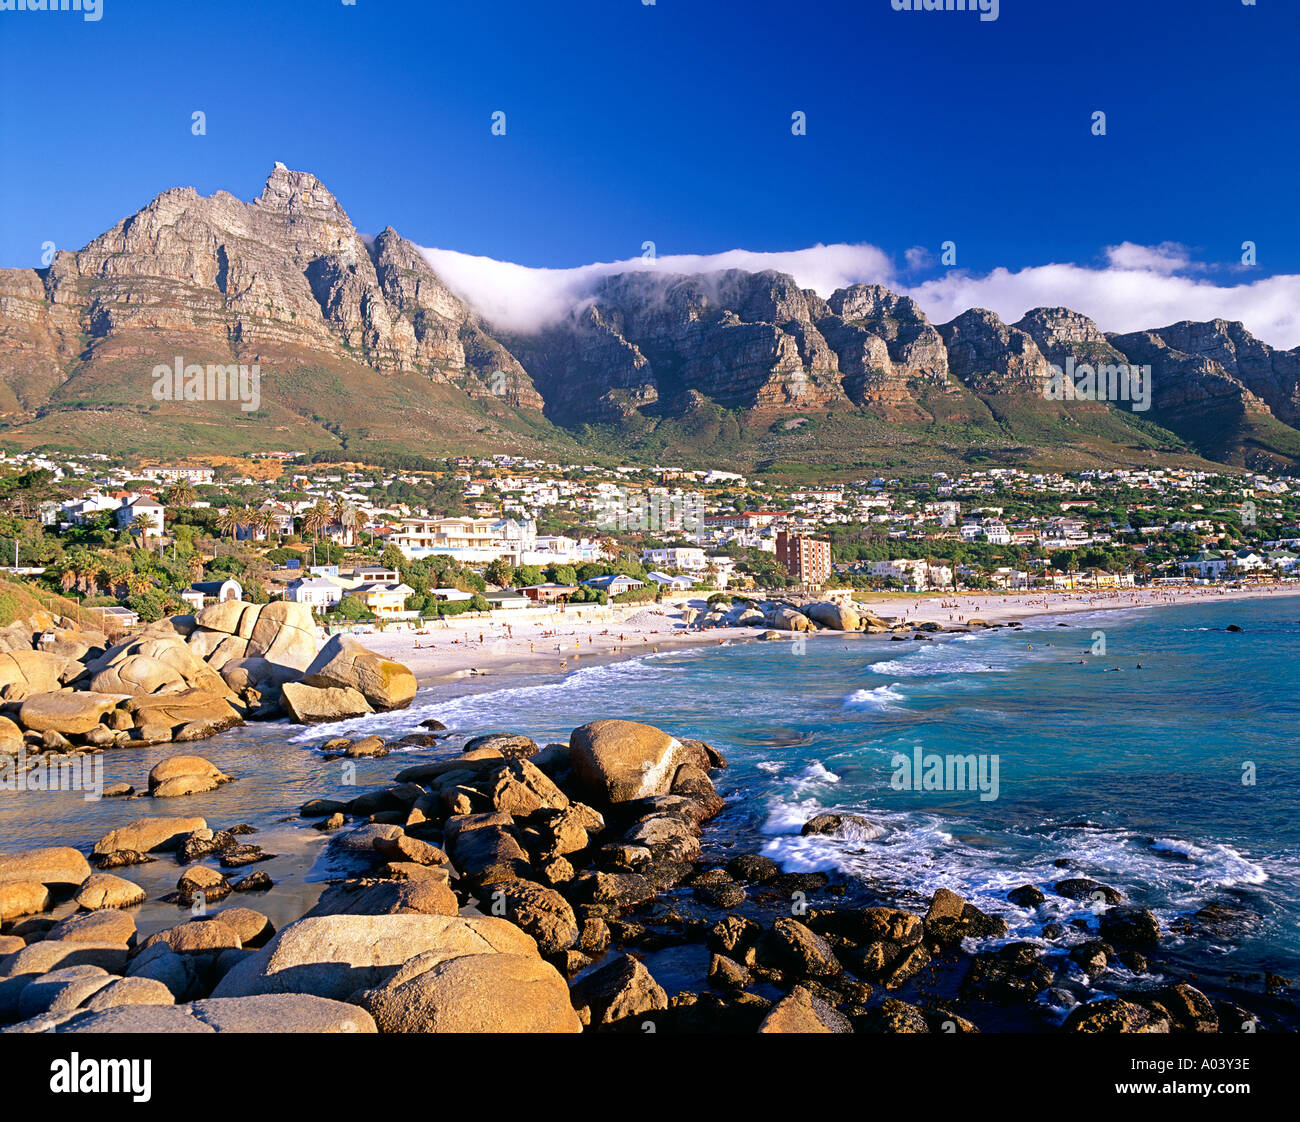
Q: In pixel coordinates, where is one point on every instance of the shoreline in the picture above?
(548, 643)
(874, 959)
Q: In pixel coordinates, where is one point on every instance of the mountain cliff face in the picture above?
(361, 341)
(287, 271)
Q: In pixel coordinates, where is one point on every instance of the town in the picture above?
(367, 546)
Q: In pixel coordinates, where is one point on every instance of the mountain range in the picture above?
(363, 349)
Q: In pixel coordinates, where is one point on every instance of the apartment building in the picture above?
(808, 559)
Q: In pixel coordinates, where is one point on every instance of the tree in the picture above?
(314, 521)
(526, 575)
(565, 574)
(181, 494)
(351, 607)
(264, 522)
(499, 572)
(141, 524)
(233, 519)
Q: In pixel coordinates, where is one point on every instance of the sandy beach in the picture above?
(554, 641)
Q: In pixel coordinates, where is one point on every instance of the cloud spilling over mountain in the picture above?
(523, 300)
(1132, 287)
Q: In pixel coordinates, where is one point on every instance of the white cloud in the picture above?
(1138, 287)
(1120, 299)
(1166, 258)
(521, 298)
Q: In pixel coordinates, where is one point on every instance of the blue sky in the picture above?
(671, 122)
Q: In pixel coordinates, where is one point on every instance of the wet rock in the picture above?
(620, 890)
(1092, 956)
(204, 843)
(850, 826)
(237, 856)
(509, 744)
(727, 974)
(1013, 973)
(622, 993)
(1083, 888)
(894, 1016)
(184, 775)
(148, 835)
(792, 946)
(802, 1012)
(254, 882)
(1026, 896)
(1185, 1007)
(201, 882)
(753, 868)
(1114, 1015)
(1129, 926)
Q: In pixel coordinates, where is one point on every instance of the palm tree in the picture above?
(262, 522)
(181, 493)
(136, 583)
(141, 524)
(315, 520)
(228, 521)
(271, 524)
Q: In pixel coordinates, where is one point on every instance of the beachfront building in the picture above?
(562, 549)
(670, 582)
(913, 573)
(383, 600)
(317, 593)
(807, 559)
(615, 584)
(549, 592)
(1206, 565)
(506, 600)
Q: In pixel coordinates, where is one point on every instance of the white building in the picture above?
(686, 558)
(316, 592)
